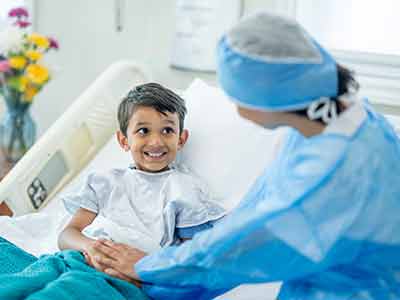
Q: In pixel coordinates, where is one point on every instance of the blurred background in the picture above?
(92, 34)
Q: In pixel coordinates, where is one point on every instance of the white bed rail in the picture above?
(72, 141)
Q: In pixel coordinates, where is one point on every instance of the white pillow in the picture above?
(228, 152)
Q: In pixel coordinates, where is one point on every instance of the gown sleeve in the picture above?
(93, 193)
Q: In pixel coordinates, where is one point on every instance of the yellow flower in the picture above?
(22, 83)
(17, 62)
(29, 93)
(39, 40)
(33, 55)
(37, 74)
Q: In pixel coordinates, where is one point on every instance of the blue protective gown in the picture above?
(324, 218)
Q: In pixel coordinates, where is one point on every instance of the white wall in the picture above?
(89, 43)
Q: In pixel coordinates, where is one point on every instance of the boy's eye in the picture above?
(143, 131)
(168, 130)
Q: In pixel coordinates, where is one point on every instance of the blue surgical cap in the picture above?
(271, 63)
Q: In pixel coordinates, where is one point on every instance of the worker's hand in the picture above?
(117, 259)
(90, 253)
(121, 276)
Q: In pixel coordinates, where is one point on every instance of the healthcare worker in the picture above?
(324, 218)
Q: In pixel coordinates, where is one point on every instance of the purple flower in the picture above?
(22, 24)
(18, 12)
(53, 43)
(4, 66)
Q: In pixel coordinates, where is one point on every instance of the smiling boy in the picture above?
(154, 202)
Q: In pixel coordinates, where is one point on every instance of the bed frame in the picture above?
(71, 142)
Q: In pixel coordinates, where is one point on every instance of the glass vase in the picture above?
(17, 130)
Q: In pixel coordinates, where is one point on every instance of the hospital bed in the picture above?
(222, 149)
(225, 150)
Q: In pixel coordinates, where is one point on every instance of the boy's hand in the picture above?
(117, 259)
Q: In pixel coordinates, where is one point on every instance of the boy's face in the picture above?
(153, 138)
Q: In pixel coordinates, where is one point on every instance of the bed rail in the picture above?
(71, 142)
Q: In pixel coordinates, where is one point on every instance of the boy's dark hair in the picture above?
(150, 95)
(346, 84)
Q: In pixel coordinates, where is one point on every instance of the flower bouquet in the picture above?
(22, 76)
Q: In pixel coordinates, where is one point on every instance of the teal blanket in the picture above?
(64, 275)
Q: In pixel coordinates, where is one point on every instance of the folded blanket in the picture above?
(64, 275)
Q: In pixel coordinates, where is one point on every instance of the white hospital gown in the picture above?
(142, 209)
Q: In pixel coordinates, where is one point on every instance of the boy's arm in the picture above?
(71, 237)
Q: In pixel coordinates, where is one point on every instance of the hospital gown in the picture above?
(323, 218)
(145, 210)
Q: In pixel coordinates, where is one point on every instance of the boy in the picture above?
(153, 203)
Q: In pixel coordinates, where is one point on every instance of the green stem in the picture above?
(17, 135)
(12, 141)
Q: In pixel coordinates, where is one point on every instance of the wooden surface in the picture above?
(5, 167)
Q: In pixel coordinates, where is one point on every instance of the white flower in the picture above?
(11, 40)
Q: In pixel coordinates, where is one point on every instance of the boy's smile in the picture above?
(153, 138)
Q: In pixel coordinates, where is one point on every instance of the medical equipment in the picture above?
(267, 62)
(71, 142)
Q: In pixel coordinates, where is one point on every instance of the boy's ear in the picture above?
(183, 138)
(123, 141)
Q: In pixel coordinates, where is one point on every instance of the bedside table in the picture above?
(5, 167)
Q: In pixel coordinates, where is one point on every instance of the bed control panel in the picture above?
(50, 175)
(37, 193)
